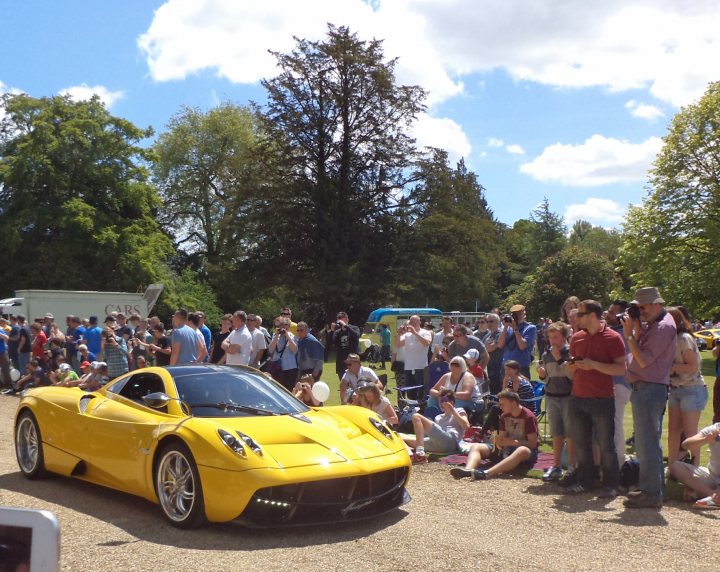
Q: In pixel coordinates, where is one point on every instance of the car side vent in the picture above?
(84, 400)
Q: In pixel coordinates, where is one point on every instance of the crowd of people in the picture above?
(594, 361)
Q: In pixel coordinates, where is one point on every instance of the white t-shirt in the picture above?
(416, 354)
(438, 340)
(714, 463)
(352, 379)
(258, 342)
(243, 338)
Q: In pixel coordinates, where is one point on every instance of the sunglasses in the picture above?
(457, 335)
(454, 365)
(284, 313)
(444, 400)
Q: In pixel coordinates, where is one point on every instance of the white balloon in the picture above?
(321, 391)
(14, 374)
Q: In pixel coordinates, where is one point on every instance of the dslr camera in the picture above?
(632, 312)
(507, 318)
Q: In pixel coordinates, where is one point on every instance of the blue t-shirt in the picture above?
(187, 339)
(513, 352)
(385, 336)
(93, 339)
(3, 347)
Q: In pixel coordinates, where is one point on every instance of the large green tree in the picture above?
(345, 122)
(671, 240)
(572, 271)
(449, 253)
(77, 210)
(595, 238)
(212, 168)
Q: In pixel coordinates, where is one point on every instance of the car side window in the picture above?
(140, 385)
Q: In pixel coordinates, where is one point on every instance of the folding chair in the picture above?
(431, 376)
(538, 409)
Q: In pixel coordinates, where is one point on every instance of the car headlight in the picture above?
(251, 443)
(233, 442)
(381, 427)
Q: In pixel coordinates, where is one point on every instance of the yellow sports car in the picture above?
(215, 443)
(710, 336)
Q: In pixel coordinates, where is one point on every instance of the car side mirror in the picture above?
(156, 400)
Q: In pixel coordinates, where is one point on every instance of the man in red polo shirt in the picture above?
(599, 353)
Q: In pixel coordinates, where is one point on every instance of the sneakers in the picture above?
(707, 502)
(552, 474)
(575, 489)
(461, 472)
(639, 499)
(8, 391)
(569, 479)
(419, 459)
(479, 475)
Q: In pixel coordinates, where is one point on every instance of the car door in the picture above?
(120, 430)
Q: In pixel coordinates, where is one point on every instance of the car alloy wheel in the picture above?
(178, 488)
(28, 446)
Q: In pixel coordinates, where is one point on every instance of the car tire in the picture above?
(28, 446)
(178, 487)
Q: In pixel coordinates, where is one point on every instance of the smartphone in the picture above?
(30, 538)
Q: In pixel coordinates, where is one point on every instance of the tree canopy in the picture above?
(77, 209)
(670, 240)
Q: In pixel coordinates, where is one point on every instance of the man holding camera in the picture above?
(519, 339)
(345, 339)
(416, 341)
(651, 336)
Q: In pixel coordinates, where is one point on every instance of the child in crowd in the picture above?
(558, 385)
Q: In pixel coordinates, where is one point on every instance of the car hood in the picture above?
(319, 437)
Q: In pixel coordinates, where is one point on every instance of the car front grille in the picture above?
(332, 500)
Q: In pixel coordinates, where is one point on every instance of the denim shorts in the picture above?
(439, 441)
(688, 397)
(558, 412)
(527, 464)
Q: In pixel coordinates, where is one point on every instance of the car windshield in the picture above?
(233, 392)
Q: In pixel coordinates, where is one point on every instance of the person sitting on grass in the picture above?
(702, 480)
(35, 377)
(64, 376)
(558, 385)
(349, 382)
(303, 390)
(370, 397)
(460, 381)
(440, 436)
(517, 442)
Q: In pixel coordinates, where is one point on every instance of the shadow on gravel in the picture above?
(143, 519)
(639, 517)
(571, 503)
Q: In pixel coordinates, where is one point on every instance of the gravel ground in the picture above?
(506, 524)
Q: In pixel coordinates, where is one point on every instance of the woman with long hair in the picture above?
(688, 392)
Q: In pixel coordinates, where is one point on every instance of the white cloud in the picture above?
(598, 161)
(597, 211)
(442, 133)
(670, 48)
(515, 149)
(644, 110)
(84, 92)
(495, 142)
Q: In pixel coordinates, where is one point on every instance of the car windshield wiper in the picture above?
(224, 406)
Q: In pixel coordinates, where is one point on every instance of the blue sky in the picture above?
(565, 100)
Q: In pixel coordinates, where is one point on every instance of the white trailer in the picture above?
(62, 303)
